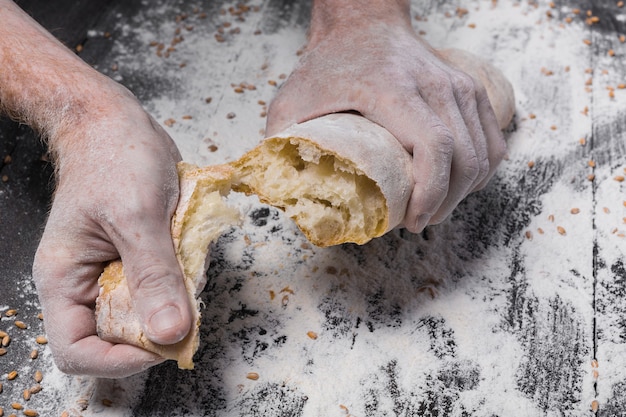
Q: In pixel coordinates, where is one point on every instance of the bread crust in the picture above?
(117, 321)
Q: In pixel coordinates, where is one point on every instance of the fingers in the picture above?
(495, 143)
(431, 143)
(154, 276)
(113, 360)
(470, 165)
(88, 226)
(478, 142)
(453, 135)
(67, 291)
(84, 353)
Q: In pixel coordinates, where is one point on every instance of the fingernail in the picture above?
(165, 320)
(422, 222)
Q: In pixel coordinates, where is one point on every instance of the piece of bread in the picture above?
(340, 177)
(343, 178)
(201, 217)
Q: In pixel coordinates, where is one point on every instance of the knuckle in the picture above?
(465, 94)
(66, 366)
(153, 280)
(442, 134)
(442, 139)
(439, 189)
(145, 204)
(50, 265)
(484, 167)
(471, 169)
(437, 81)
(463, 84)
(436, 188)
(63, 359)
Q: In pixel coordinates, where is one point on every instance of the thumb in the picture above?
(156, 284)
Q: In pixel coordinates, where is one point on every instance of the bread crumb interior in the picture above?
(207, 217)
(329, 199)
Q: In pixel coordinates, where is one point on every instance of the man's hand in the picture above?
(364, 56)
(117, 188)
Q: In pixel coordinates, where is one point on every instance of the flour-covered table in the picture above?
(512, 307)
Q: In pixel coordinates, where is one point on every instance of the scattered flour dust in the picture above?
(391, 320)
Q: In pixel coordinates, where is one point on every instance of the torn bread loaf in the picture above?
(201, 217)
(327, 176)
(343, 178)
(340, 177)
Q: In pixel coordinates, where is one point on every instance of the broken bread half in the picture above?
(201, 217)
(343, 178)
(326, 175)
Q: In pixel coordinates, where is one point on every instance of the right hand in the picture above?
(117, 188)
(369, 59)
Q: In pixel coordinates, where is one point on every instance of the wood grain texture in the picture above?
(608, 148)
(492, 313)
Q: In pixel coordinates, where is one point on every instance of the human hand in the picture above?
(117, 188)
(368, 59)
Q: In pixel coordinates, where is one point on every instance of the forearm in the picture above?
(42, 83)
(329, 16)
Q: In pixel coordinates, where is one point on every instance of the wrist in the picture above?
(43, 83)
(331, 18)
(94, 99)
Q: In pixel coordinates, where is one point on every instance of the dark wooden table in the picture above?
(513, 307)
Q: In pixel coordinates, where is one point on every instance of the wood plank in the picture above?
(609, 152)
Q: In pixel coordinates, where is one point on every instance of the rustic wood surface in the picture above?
(513, 307)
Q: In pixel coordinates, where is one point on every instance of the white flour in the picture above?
(435, 290)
